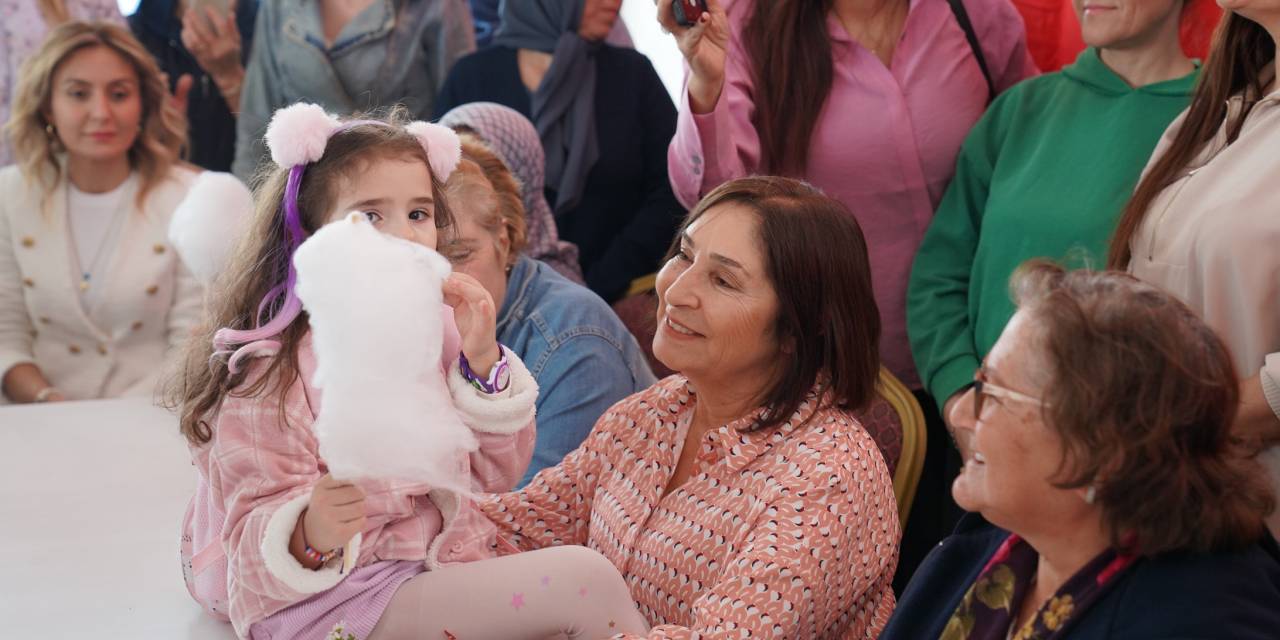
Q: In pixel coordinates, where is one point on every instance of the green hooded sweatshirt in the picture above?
(1045, 173)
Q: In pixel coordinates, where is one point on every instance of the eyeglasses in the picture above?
(982, 388)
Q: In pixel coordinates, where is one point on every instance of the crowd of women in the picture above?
(1074, 269)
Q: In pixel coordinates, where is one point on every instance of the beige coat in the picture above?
(149, 306)
(1212, 238)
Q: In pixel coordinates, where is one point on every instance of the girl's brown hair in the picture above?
(163, 129)
(261, 262)
(481, 166)
(1239, 65)
(1143, 394)
(790, 58)
(816, 259)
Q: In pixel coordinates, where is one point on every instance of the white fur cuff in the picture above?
(283, 566)
(502, 413)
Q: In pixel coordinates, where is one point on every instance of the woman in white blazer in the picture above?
(92, 296)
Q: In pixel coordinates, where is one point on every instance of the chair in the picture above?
(894, 420)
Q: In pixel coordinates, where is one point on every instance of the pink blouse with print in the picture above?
(786, 533)
(886, 142)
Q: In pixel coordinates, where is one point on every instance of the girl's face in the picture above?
(395, 194)
(96, 105)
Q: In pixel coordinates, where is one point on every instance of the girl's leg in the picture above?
(567, 591)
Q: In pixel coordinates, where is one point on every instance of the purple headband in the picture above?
(297, 137)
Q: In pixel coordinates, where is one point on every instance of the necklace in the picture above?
(107, 238)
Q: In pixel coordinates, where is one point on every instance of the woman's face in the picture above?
(598, 17)
(96, 105)
(1126, 23)
(717, 308)
(1015, 455)
(473, 249)
(395, 194)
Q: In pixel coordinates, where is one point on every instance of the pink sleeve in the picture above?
(258, 465)
(555, 507)
(817, 564)
(711, 149)
(1003, 35)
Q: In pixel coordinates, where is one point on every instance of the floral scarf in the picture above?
(990, 606)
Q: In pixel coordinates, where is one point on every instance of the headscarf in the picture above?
(564, 104)
(514, 139)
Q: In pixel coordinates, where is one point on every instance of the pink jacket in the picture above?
(255, 478)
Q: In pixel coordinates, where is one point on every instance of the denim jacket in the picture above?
(577, 349)
(395, 51)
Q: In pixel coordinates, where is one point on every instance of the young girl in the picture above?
(264, 535)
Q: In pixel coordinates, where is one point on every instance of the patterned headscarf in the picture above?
(513, 138)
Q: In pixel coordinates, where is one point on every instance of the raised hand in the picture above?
(704, 46)
(476, 317)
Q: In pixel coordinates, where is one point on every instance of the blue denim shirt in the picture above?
(577, 349)
(395, 51)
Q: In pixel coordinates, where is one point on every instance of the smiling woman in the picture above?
(85, 264)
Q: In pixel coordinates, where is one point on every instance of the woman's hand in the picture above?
(476, 317)
(214, 41)
(704, 46)
(334, 516)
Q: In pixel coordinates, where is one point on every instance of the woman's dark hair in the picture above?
(791, 66)
(1238, 64)
(816, 260)
(1143, 395)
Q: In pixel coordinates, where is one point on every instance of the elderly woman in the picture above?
(1101, 458)
(604, 118)
(582, 357)
(92, 296)
(741, 494)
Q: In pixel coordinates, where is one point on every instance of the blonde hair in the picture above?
(163, 131)
(481, 164)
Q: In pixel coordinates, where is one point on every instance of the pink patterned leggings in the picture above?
(558, 592)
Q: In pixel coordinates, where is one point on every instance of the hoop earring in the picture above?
(50, 131)
(1091, 495)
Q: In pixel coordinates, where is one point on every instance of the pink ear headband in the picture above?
(297, 137)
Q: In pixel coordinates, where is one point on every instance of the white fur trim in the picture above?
(283, 566)
(502, 413)
(444, 148)
(448, 504)
(209, 221)
(299, 133)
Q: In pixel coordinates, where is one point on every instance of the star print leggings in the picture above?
(559, 592)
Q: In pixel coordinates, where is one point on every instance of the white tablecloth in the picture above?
(91, 502)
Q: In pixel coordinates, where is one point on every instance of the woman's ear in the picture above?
(503, 245)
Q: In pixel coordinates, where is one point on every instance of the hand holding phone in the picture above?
(701, 30)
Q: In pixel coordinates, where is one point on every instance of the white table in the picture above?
(92, 496)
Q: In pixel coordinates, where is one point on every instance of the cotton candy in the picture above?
(375, 304)
(209, 221)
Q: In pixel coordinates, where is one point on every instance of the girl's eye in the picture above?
(419, 215)
(373, 216)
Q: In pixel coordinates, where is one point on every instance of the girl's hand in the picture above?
(335, 515)
(477, 317)
(704, 46)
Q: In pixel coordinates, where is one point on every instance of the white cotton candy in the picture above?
(375, 306)
(208, 223)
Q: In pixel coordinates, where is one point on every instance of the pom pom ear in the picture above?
(444, 148)
(298, 134)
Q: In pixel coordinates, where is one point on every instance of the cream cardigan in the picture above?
(150, 304)
(1212, 238)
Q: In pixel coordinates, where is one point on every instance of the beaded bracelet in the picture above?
(322, 558)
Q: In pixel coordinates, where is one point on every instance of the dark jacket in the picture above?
(1176, 596)
(212, 133)
(628, 214)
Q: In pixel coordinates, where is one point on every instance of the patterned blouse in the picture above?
(786, 533)
(22, 30)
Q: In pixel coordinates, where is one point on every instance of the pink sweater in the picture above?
(255, 478)
(787, 534)
(886, 142)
